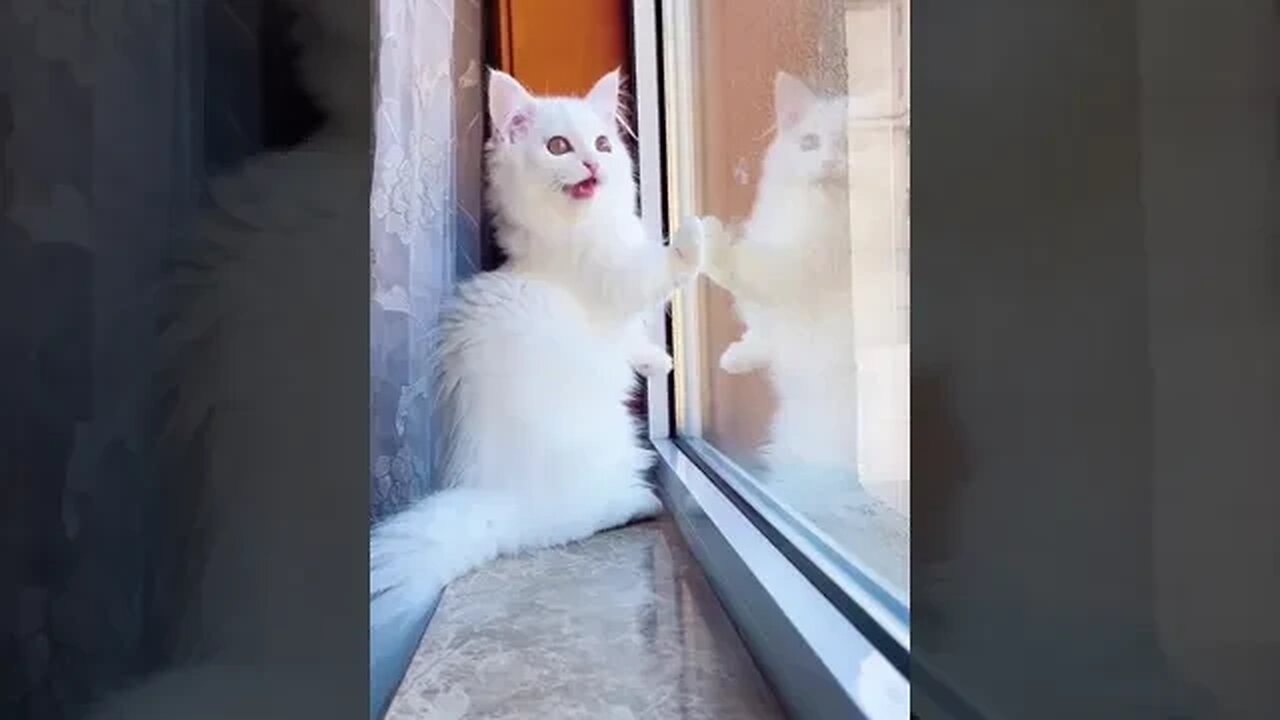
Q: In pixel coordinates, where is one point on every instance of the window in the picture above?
(797, 379)
(789, 123)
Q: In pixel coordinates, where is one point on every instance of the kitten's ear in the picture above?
(791, 99)
(603, 97)
(510, 106)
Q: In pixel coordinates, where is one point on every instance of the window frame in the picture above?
(813, 628)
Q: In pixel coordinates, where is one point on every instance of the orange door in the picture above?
(560, 47)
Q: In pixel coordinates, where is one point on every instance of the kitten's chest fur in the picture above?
(595, 337)
(811, 324)
(813, 239)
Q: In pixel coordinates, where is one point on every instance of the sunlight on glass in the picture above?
(803, 318)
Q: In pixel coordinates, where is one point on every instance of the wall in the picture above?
(1210, 187)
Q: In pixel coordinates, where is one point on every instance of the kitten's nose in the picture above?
(591, 166)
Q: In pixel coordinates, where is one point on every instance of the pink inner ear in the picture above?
(518, 126)
(789, 118)
(791, 99)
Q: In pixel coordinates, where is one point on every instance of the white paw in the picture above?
(687, 243)
(656, 366)
(714, 232)
(718, 243)
(738, 359)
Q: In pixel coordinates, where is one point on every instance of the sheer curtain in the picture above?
(424, 236)
(424, 219)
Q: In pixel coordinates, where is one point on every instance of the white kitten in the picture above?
(789, 270)
(793, 252)
(534, 360)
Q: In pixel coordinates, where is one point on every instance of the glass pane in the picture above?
(801, 144)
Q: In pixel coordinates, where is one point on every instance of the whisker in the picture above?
(623, 122)
(625, 100)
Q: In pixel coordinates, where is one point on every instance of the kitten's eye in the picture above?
(809, 141)
(558, 145)
(602, 144)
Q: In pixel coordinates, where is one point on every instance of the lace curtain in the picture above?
(424, 220)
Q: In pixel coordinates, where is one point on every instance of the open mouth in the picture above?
(583, 190)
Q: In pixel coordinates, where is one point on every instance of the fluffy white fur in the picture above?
(789, 269)
(534, 361)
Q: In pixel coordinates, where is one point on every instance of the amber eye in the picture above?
(809, 141)
(558, 145)
(602, 144)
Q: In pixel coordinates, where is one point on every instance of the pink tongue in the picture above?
(583, 190)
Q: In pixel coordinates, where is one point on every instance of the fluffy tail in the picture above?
(413, 554)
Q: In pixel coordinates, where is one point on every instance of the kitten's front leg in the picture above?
(686, 250)
(648, 276)
(749, 270)
(747, 354)
(718, 253)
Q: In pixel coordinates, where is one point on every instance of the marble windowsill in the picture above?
(622, 626)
